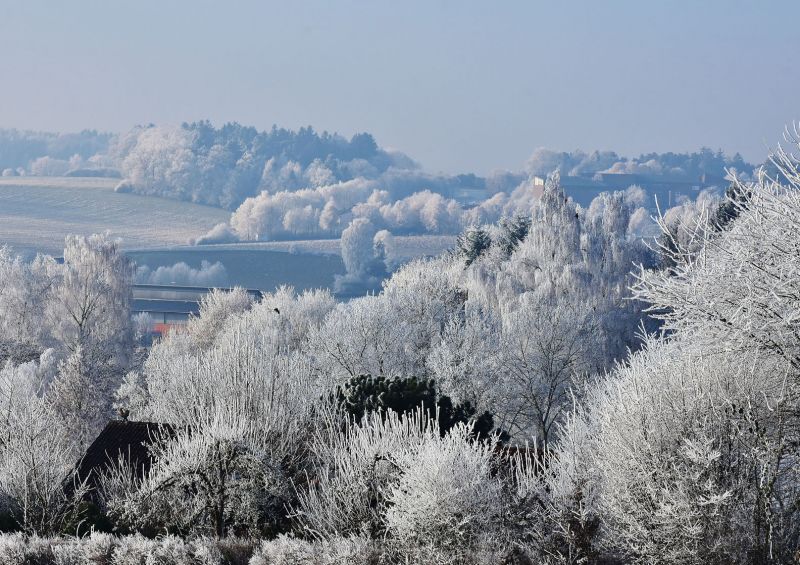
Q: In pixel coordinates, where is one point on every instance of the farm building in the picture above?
(120, 438)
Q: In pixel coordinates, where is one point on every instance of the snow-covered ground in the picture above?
(36, 213)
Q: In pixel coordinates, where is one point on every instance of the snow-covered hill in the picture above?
(36, 213)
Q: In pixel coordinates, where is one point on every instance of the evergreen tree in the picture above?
(736, 196)
(472, 243)
(513, 231)
(366, 394)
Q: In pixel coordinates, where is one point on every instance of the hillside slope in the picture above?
(36, 213)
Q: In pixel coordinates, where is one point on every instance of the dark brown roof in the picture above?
(120, 437)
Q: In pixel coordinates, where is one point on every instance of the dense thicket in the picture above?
(66, 340)
(652, 417)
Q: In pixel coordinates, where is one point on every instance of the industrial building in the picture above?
(170, 305)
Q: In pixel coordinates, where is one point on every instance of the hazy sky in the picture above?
(458, 85)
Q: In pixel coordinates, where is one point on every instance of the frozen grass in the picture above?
(105, 549)
(36, 213)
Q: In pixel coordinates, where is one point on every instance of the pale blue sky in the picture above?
(458, 85)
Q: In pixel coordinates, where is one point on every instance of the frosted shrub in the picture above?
(693, 455)
(106, 549)
(206, 551)
(355, 470)
(137, 550)
(397, 481)
(12, 548)
(96, 549)
(17, 549)
(71, 554)
(446, 505)
(287, 550)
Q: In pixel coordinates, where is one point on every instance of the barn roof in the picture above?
(120, 437)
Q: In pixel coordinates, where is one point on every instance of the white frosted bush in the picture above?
(71, 553)
(106, 549)
(138, 550)
(12, 548)
(287, 550)
(206, 552)
(355, 470)
(446, 505)
(94, 550)
(17, 549)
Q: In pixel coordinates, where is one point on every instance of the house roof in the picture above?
(120, 437)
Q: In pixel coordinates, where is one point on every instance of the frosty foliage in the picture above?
(240, 399)
(688, 452)
(67, 342)
(36, 455)
(510, 323)
(650, 395)
(397, 479)
(105, 549)
(447, 502)
(364, 255)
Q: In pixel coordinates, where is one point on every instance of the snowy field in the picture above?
(36, 213)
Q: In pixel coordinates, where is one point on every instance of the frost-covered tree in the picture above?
(362, 336)
(553, 311)
(37, 488)
(240, 399)
(390, 334)
(735, 196)
(688, 452)
(216, 307)
(75, 319)
(466, 360)
(81, 404)
(513, 231)
(90, 303)
(364, 255)
(24, 294)
(545, 352)
(357, 247)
